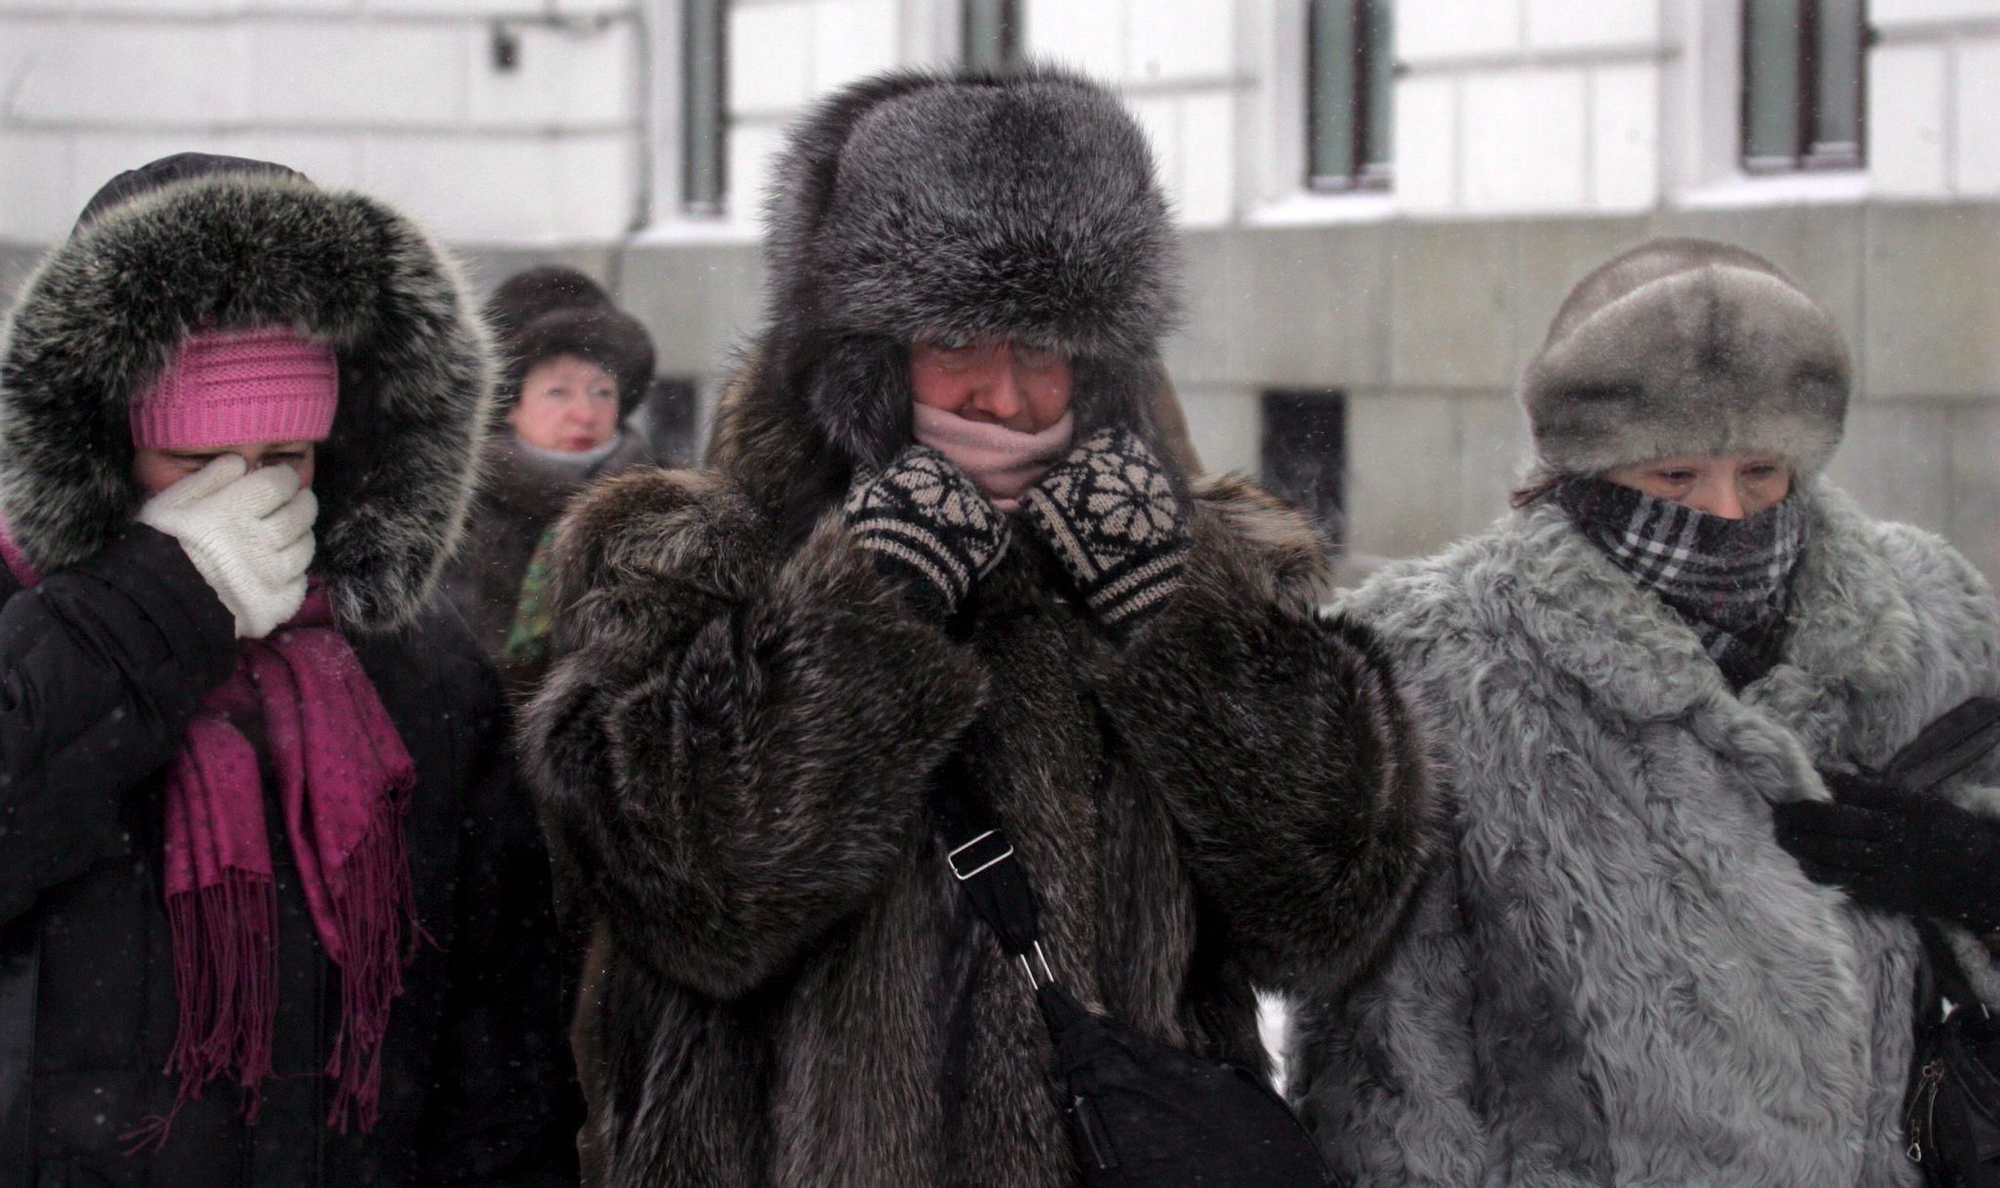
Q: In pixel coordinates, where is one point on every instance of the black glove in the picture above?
(1109, 513)
(1915, 854)
(927, 526)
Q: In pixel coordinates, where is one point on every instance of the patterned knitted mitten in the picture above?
(1110, 514)
(926, 525)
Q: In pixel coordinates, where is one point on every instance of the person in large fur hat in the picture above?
(939, 529)
(1670, 940)
(273, 908)
(573, 367)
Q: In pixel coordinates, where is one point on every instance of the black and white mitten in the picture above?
(926, 524)
(1109, 512)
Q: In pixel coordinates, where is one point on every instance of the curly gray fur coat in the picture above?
(734, 746)
(1618, 977)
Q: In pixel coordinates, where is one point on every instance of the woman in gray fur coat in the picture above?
(762, 667)
(1618, 975)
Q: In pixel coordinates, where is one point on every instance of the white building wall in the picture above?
(1934, 99)
(1511, 107)
(400, 97)
(1503, 107)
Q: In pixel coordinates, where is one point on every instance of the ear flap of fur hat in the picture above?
(916, 208)
(1686, 347)
(599, 333)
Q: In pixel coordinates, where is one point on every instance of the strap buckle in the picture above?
(990, 862)
(1048, 975)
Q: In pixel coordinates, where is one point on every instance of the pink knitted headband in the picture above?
(232, 387)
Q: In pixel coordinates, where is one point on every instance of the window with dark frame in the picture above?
(1350, 80)
(1803, 81)
(704, 106)
(990, 34)
(1303, 456)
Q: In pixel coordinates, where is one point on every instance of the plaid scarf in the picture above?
(1727, 578)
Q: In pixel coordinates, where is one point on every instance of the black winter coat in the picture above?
(520, 498)
(103, 664)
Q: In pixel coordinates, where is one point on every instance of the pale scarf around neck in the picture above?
(1003, 463)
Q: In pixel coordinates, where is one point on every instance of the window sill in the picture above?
(1310, 209)
(682, 230)
(1778, 189)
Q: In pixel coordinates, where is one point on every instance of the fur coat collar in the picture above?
(1858, 677)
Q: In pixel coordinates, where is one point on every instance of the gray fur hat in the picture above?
(916, 207)
(1686, 346)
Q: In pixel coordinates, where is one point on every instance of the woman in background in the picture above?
(573, 367)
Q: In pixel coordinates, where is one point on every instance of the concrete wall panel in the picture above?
(1932, 312)
(1460, 276)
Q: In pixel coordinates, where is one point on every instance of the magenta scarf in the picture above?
(1003, 463)
(344, 783)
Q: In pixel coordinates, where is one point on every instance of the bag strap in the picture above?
(1961, 737)
(986, 865)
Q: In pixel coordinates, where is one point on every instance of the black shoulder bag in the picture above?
(1952, 1113)
(1142, 1115)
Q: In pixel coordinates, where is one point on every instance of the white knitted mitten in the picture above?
(249, 535)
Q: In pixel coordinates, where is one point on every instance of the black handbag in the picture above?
(1952, 1112)
(1141, 1114)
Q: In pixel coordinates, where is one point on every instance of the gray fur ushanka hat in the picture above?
(926, 208)
(1686, 347)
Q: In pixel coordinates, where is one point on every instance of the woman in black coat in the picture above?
(430, 1051)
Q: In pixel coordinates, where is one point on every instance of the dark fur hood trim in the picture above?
(918, 207)
(105, 310)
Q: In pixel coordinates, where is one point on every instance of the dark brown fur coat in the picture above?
(733, 750)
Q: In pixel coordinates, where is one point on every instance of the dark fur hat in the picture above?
(917, 207)
(1685, 346)
(601, 334)
(233, 248)
(551, 310)
(532, 292)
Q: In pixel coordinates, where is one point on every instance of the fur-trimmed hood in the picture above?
(918, 207)
(105, 309)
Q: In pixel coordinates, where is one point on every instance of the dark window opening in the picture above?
(990, 34)
(1350, 79)
(666, 418)
(1803, 79)
(1304, 456)
(704, 110)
